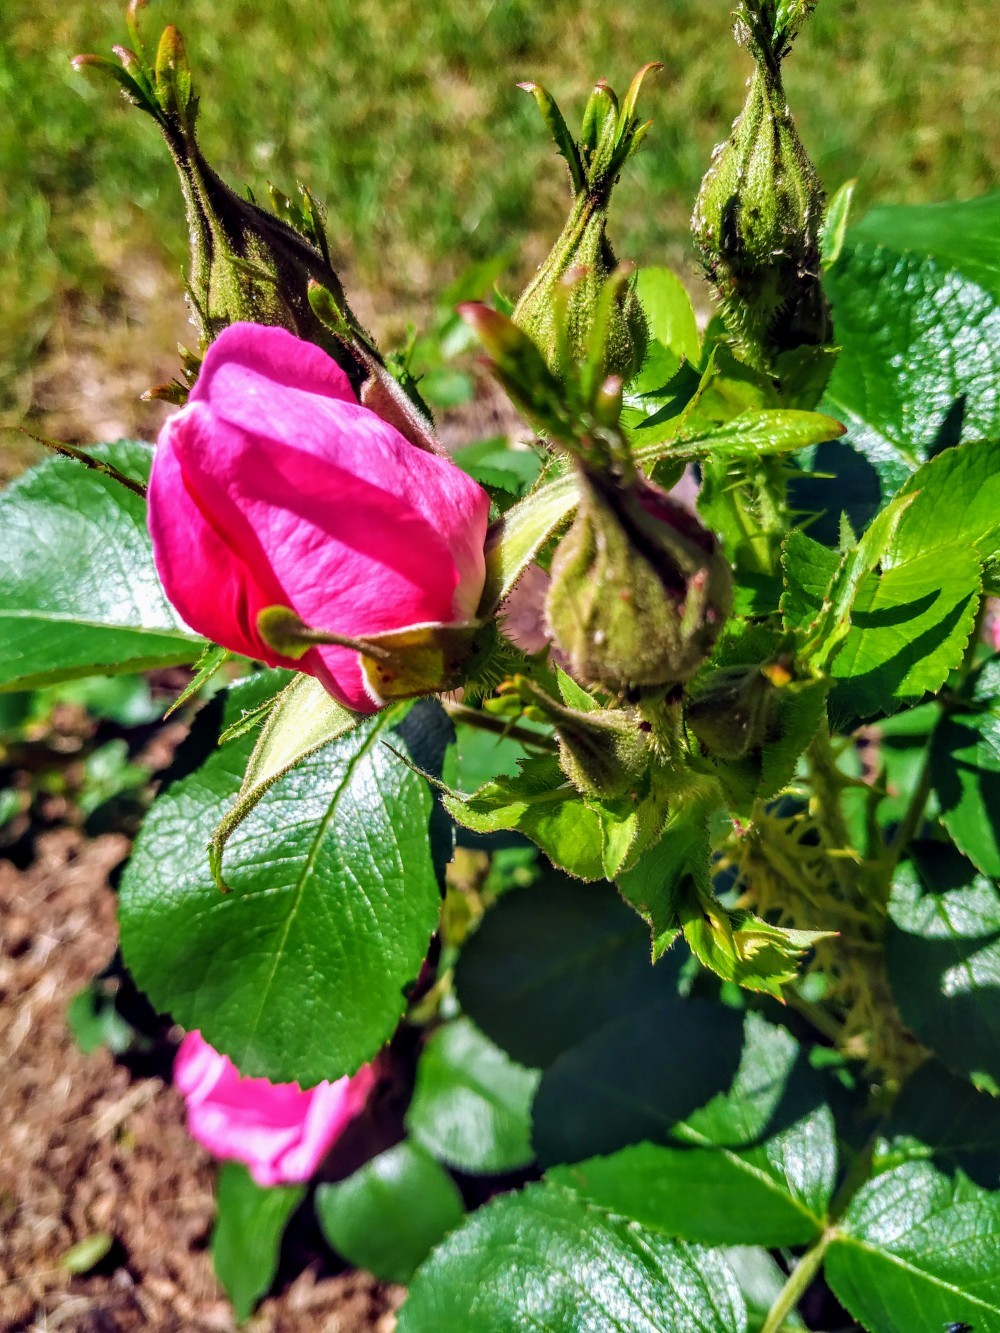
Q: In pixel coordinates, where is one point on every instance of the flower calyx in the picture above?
(581, 409)
(559, 324)
(735, 709)
(604, 752)
(396, 664)
(249, 264)
(640, 588)
(759, 216)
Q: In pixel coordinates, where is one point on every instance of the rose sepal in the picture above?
(406, 663)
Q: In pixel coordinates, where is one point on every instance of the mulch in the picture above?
(89, 1146)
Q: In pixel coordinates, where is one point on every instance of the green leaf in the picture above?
(740, 947)
(759, 1165)
(962, 483)
(301, 721)
(834, 621)
(943, 958)
(494, 463)
(334, 898)
(481, 756)
(964, 237)
(250, 1222)
(669, 313)
(838, 212)
(918, 323)
(747, 438)
(552, 963)
(79, 594)
(669, 873)
(544, 1259)
(471, 1105)
(94, 1020)
(390, 1214)
(965, 768)
(711, 1195)
(942, 1117)
(910, 625)
(634, 1079)
(916, 1250)
(516, 538)
(543, 805)
(761, 1279)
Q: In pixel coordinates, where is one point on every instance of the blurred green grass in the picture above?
(406, 121)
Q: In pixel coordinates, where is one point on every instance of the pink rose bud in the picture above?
(280, 1133)
(273, 486)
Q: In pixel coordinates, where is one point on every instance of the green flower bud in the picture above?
(639, 590)
(247, 263)
(733, 712)
(560, 316)
(604, 751)
(759, 214)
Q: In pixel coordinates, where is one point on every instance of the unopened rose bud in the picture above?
(603, 752)
(733, 712)
(759, 214)
(640, 588)
(247, 264)
(558, 318)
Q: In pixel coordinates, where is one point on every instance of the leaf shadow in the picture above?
(859, 698)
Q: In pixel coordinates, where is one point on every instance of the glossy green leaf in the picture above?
(919, 327)
(552, 963)
(964, 483)
(669, 313)
(910, 628)
(540, 803)
(303, 718)
(760, 1278)
(79, 594)
(710, 1195)
(964, 237)
(390, 1214)
(758, 1166)
(917, 1250)
(298, 973)
(544, 1259)
(471, 1105)
(250, 1222)
(943, 958)
(965, 767)
(634, 1079)
(909, 625)
(833, 623)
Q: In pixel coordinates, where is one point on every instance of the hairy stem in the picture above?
(472, 717)
(799, 1280)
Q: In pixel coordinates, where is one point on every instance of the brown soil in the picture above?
(85, 1147)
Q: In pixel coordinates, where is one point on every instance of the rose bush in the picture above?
(274, 486)
(280, 1133)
